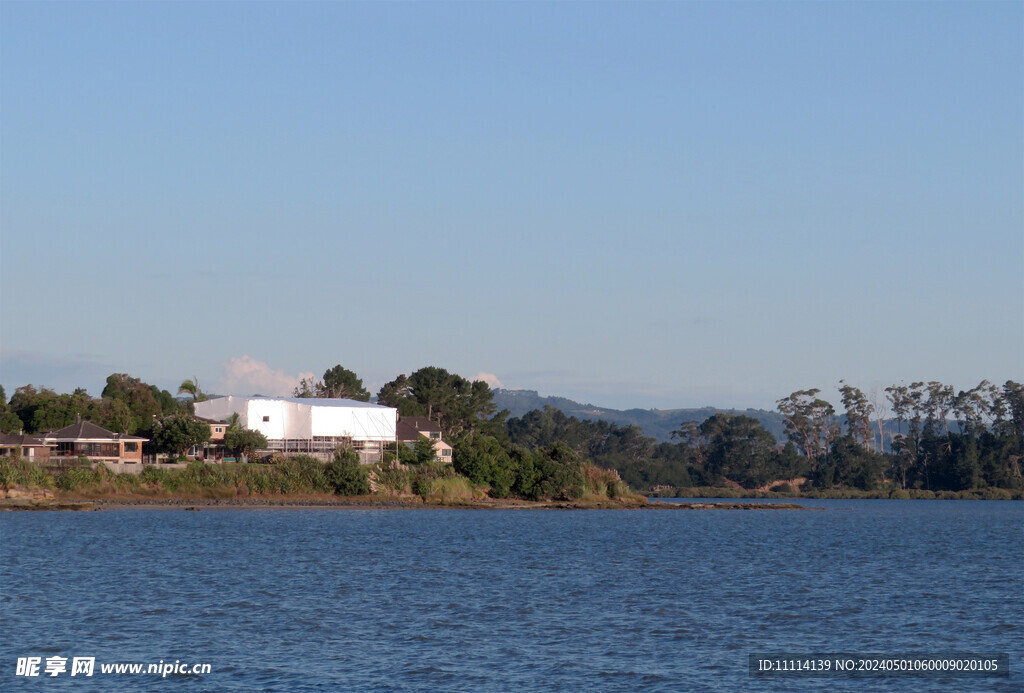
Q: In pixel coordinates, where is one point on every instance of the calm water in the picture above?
(403, 600)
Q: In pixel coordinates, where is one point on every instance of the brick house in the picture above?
(31, 448)
(96, 443)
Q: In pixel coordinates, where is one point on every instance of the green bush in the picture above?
(346, 476)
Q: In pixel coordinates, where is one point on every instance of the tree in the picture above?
(937, 407)
(307, 387)
(26, 401)
(849, 463)
(858, 414)
(899, 398)
(423, 448)
(398, 394)
(1013, 394)
(338, 383)
(346, 475)
(880, 405)
(483, 460)
(244, 442)
(168, 403)
(112, 414)
(972, 408)
(435, 389)
(62, 410)
(176, 434)
(739, 449)
(809, 422)
(966, 464)
(191, 387)
(458, 405)
(143, 406)
(10, 423)
(342, 383)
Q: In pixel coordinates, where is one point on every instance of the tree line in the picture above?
(942, 440)
(127, 405)
(925, 435)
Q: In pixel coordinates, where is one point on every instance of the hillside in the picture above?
(656, 423)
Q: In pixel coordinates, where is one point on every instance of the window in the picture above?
(131, 447)
(446, 453)
(435, 435)
(218, 429)
(266, 419)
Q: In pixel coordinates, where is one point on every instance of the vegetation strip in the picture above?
(923, 440)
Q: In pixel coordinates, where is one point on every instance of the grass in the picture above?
(299, 476)
(451, 491)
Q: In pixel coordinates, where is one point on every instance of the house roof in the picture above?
(210, 421)
(9, 439)
(421, 423)
(87, 432)
(412, 427)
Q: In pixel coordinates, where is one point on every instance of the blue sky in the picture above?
(632, 204)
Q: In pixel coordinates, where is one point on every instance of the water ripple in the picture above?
(328, 600)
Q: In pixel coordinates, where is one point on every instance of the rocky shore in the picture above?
(46, 500)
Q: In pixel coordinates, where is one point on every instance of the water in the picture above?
(408, 600)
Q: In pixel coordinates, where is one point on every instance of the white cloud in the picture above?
(490, 378)
(246, 376)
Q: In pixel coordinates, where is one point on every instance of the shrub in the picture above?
(346, 476)
(392, 478)
(77, 479)
(456, 490)
(604, 482)
(18, 472)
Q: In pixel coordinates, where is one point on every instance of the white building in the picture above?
(298, 424)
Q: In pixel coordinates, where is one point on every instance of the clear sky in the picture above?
(631, 204)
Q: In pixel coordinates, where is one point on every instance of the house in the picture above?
(412, 428)
(31, 448)
(217, 429)
(313, 425)
(96, 443)
(214, 448)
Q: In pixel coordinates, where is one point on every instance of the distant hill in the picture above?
(656, 423)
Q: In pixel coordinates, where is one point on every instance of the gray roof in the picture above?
(421, 423)
(210, 421)
(410, 428)
(87, 431)
(8, 439)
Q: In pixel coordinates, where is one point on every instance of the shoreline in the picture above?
(28, 503)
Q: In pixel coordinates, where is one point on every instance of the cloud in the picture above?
(246, 376)
(490, 378)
